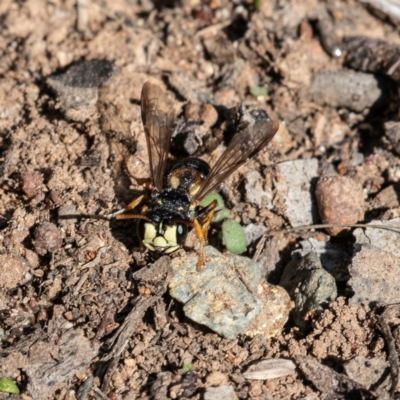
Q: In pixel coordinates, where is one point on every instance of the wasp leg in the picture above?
(201, 230)
(200, 235)
(130, 206)
(206, 221)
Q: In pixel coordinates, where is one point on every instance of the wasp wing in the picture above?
(251, 136)
(158, 119)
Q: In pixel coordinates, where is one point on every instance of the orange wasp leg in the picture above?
(201, 229)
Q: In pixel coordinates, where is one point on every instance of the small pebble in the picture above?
(356, 91)
(31, 183)
(32, 258)
(201, 112)
(217, 378)
(255, 192)
(13, 271)
(294, 184)
(383, 239)
(130, 362)
(388, 197)
(220, 393)
(340, 201)
(392, 134)
(47, 238)
(254, 232)
(374, 276)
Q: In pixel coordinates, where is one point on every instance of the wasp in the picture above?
(171, 204)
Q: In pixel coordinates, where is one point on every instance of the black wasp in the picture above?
(168, 211)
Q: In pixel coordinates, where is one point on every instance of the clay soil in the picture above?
(79, 319)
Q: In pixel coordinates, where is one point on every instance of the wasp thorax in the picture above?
(162, 237)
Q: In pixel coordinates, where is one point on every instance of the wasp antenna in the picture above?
(88, 216)
(132, 216)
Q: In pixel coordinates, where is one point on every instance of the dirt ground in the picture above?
(73, 321)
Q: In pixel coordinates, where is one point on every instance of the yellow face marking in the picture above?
(174, 182)
(170, 235)
(149, 246)
(172, 249)
(159, 241)
(149, 233)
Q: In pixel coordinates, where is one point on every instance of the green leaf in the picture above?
(220, 212)
(9, 386)
(257, 91)
(233, 236)
(257, 4)
(187, 367)
(220, 215)
(210, 198)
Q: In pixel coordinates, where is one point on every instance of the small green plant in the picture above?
(220, 212)
(233, 235)
(8, 386)
(258, 91)
(187, 367)
(257, 4)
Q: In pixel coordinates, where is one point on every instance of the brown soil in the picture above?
(70, 284)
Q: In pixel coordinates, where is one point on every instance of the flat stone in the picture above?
(383, 239)
(220, 393)
(77, 89)
(13, 271)
(374, 276)
(255, 193)
(221, 295)
(254, 232)
(375, 265)
(295, 186)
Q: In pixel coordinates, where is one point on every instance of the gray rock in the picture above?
(375, 265)
(254, 232)
(77, 89)
(374, 276)
(309, 286)
(255, 192)
(384, 239)
(221, 295)
(357, 91)
(294, 185)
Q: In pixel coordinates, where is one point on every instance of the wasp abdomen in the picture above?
(189, 175)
